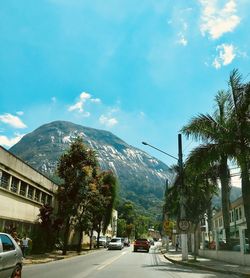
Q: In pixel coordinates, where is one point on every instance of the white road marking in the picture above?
(108, 262)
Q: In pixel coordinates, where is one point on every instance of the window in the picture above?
(43, 199)
(237, 214)
(220, 222)
(240, 213)
(7, 243)
(23, 188)
(4, 181)
(216, 223)
(14, 184)
(30, 192)
(37, 195)
(49, 200)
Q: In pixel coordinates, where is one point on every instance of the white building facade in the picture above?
(23, 191)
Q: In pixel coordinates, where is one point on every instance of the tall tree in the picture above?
(240, 119)
(198, 189)
(214, 132)
(75, 168)
(109, 191)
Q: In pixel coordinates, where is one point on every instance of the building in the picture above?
(237, 219)
(112, 227)
(23, 191)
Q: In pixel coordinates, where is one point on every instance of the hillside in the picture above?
(141, 177)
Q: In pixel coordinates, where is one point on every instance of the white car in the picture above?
(103, 241)
(116, 243)
(11, 257)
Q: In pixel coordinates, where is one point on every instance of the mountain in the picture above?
(142, 178)
(235, 193)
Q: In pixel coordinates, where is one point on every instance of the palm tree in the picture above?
(240, 120)
(200, 189)
(213, 131)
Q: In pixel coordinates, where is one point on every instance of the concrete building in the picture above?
(237, 219)
(23, 191)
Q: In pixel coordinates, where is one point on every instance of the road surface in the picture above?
(116, 264)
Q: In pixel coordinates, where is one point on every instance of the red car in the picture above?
(141, 244)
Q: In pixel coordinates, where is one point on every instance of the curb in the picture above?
(204, 267)
(55, 258)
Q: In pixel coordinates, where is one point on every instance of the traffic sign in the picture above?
(183, 225)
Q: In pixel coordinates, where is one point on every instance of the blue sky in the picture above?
(140, 69)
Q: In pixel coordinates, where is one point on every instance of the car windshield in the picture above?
(115, 240)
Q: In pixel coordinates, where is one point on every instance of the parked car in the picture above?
(103, 241)
(141, 244)
(116, 243)
(237, 247)
(10, 257)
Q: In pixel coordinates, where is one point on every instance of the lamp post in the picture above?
(183, 224)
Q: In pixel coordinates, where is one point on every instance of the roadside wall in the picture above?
(226, 256)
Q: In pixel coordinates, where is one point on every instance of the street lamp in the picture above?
(182, 223)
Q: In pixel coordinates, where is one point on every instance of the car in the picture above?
(141, 244)
(116, 243)
(103, 241)
(11, 257)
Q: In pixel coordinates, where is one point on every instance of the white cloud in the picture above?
(182, 40)
(218, 20)
(95, 100)
(86, 114)
(19, 113)
(108, 121)
(142, 114)
(9, 142)
(13, 121)
(185, 26)
(226, 54)
(85, 95)
(53, 99)
(79, 105)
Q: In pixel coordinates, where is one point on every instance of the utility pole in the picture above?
(183, 223)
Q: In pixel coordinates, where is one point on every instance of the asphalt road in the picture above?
(116, 264)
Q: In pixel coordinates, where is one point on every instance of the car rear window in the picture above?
(6, 243)
(115, 239)
(142, 239)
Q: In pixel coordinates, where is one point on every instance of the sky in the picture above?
(140, 69)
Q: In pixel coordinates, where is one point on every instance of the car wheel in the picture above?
(17, 272)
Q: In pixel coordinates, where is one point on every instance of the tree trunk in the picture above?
(66, 237)
(245, 187)
(225, 198)
(98, 235)
(79, 245)
(195, 241)
(91, 239)
(209, 221)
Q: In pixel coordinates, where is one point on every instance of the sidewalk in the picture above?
(207, 264)
(53, 256)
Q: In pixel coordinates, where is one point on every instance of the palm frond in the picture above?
(202, 156)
